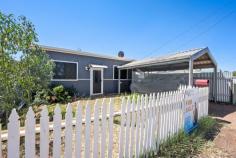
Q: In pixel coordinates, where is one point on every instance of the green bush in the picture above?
(59, 93)
(55, 94)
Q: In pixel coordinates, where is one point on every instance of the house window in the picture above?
(123, 74)
(115, 72)
(65, 70)
(130, 74)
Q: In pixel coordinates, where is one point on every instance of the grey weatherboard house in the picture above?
(94, 74)
(91, 74)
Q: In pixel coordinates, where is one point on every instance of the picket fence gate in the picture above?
(145, 122)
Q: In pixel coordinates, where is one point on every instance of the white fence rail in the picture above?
(145, 122)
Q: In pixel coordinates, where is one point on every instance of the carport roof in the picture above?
(201, 58)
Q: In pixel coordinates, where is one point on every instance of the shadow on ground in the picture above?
(225, 137)
(221, 110)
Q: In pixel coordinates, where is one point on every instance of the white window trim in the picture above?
(77, 68)
(91, 81)
(119, 79)
(114, 73)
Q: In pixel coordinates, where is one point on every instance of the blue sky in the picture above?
(140, 28)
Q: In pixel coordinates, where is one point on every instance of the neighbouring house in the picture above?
(96, 74)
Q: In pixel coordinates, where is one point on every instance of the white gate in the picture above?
(224, 85)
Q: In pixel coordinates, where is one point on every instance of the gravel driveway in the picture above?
(226, 139)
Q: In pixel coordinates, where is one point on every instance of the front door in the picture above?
(96, 82)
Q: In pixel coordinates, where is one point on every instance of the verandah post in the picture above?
(190, 80)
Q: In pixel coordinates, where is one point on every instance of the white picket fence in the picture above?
(145, 122)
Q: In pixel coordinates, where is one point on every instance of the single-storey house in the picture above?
(96, 74)
(90, 73)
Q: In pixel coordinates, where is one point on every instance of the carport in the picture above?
(187, 61)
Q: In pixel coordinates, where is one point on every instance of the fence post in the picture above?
(159, 120)
(87, 130)
(127, 129)
(146, 124)
(183, 104)
(96, 129)
(44, 133)
(110, 144)
(137, 136)
(161, 111)
(133, 118)
(142, 125)
(152, 122)
(104, 128)
(78, 131)
(68, 131)
(30, 134)
(122, 124)
(57, 132)
(165, 106)
(13, 135)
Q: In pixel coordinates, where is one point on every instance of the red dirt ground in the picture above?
(226, 139)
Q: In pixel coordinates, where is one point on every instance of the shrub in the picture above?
(56, 94)
(59, 93)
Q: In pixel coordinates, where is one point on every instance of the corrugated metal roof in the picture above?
(163, 59)
(68, 51)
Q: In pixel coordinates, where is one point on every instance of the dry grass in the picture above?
(91, 101)
(37, 145)
(82, 102)
(210, 150)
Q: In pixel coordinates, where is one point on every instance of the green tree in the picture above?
(234, 73)
(25, 68)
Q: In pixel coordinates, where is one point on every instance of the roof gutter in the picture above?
(68, 51)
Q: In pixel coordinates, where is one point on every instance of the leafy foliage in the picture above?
(234, 73)
(24, 68)
(56, 94)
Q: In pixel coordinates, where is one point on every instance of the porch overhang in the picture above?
(200, 58)
(97, 66)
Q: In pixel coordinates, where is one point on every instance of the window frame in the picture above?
(113, 72)
(131, 70)
(127, 74)
(72, 62)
